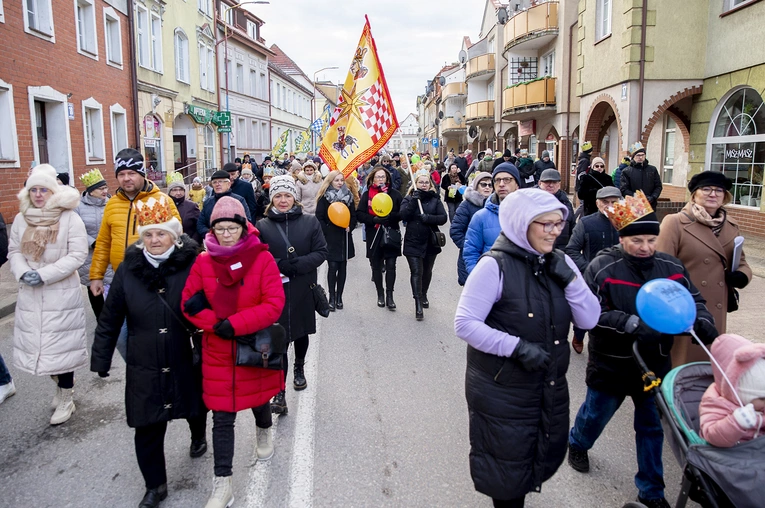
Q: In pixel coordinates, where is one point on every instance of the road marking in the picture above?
(260, 475)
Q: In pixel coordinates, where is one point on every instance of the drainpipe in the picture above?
(134, 76)
(568, 106)
(217, 78)
(643, 24)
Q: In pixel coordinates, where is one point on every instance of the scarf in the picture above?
(703, 217)
(341, 195)
(42, 229)
(454, 178)
(230, 265)
(156, 260)
(373, 191)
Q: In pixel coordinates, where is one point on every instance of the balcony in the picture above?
(533, 95)
(453, 90)
(480, 112)
(533, 28)
(449, 126)
(482, 66)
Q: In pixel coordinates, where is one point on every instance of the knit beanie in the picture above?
(751, 384)
(43, 175)
(646, 225)
(481, 175)
(597, 160)
(129, 158)
(507, 167)
(176, 184)
(63, 177)
(282, 183)
(228, 209)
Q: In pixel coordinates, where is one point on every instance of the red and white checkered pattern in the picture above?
(377, 116)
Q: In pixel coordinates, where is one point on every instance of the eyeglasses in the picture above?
(598, 166)
(708, 191)
(220, 181)
(39, 190)
(505, 181)
(484, 184)
(549, 226)
(231, 230)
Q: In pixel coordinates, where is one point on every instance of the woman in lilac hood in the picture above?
(515, 313)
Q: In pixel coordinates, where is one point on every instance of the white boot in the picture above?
(7, 390)
(265, 449)
(222, 494)
(57, 396)
(65, 407)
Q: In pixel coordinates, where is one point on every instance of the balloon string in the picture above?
(719, 367)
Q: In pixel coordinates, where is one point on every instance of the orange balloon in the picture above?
(339, 215)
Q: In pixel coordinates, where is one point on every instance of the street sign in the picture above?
(224, 129)
(434, 142)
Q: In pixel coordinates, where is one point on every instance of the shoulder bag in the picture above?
(266, 348)
(195, 336)
(391, 238)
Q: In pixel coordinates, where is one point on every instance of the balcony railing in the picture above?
(535, 94)
(449, 125)
(535, 22)
(480, 111)
(480, 65)
(453, 89)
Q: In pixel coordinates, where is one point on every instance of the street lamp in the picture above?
(225, 60)
(313, 107)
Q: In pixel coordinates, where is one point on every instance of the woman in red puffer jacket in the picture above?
(240, 277)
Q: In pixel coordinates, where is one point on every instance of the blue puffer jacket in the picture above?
(483, 230)
(472, 203)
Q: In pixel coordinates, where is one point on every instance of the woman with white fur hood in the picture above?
(308, 183)
(48, 242)
(515, 314)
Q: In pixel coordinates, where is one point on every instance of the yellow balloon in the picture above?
(339, 215)
(382, 204)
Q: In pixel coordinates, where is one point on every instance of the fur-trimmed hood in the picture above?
(303, 178)
(474, 197)
(154, 278)
(64, 197)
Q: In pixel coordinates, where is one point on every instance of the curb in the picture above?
(8, 309)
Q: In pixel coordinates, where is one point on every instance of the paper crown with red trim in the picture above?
(153, 211)
(628, 210)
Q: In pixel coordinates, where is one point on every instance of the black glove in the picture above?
(379, 220)
(425, 217)
(647, 334)
(196, 304)
(103, 374)
(736, 279)
(286, 267)
(705, 330)
(224, 330)
(531, 356)
(559, 271)
(416, 195)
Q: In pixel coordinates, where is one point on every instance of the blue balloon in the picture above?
(666, 306)
(462, 189)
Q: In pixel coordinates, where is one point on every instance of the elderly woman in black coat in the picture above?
(379, 254)
(299, 248)
(423, 213)
(162, 382)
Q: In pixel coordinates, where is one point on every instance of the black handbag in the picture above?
(391, 238)
(732, 299)
(195, 336)
(438, 238)
(320, 300)
(266, 348)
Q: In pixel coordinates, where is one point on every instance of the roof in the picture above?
(467, 42)
(286, 77)
(285, 63)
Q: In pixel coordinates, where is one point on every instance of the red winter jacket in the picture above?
(226, 387)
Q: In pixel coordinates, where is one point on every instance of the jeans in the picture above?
(122, 341)
(452, 208)
(5, 376)
(597, 411)
(223, 436)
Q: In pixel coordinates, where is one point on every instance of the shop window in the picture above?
(113, 36)
(668, 149)
(85, 13)
(602, 19)
(38, 18)
(181, 56)
(738, 144)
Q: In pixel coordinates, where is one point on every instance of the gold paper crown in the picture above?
(175, 176)
(92, 177)
(636, 146)
(627, 211)
(153, 211)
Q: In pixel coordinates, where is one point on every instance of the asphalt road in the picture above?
(382, 423)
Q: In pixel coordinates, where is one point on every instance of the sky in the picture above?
(414, 38)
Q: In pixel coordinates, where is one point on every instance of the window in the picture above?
(263, 89)
(2, 14)
(119, 128)
(38, 18)
(206, 67)
(209, 148)
(181, 56)
(156, 42)
(113, 36)
(9, 144)
(548, 64)
(227, 13)
(240, 78)
(254, 134)
(93, 125)
(732, 4)
(253, 83)
(668, 160)
(205, 7)
(277, 97)
(492, 46)
(265, 139)
(737, 144)
(85, 14)
(602, 19)
(144, 36)
(241, 133)
(152, 143)
(253, 30)
(284, 98)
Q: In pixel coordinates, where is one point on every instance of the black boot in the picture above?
(299, 383)
(339, 301)
(418, 314)
(389, 300)
(425, 302)
(198, 448)
(279, 404)
(331, 302)
(380, 297)
(153, 497)
(377, 279)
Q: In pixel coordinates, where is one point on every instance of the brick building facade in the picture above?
(65, 90)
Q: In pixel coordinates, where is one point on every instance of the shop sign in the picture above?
(199, 114)
(224, 129)
(150, 142)
(550, 137)
(70, 110)
(738, 153)
(527, 128)
(222, 119)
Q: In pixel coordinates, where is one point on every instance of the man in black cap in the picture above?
(641, 176)
(242, 188)
(461, 162)
(615, 276)
(542, 164)
(221, 184)
(506, 156)
(549, 181)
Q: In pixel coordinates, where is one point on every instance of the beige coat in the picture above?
(49, 332)
(307, 189)
(707, 257)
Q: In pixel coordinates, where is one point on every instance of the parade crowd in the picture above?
(202, 290)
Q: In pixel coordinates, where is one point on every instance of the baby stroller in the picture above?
(713, 477)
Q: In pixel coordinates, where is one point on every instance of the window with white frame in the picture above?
(209, 147)
(263, 89)
(2, 13)
(668, 160)
(548, 64)
(9, 145)
(277, 97)
(602, 19)
(93, 125)
(253, 83)
(156, 42)
(144, 36)
(85, 16)
(240, 78)
(252, 30)
(113, 37)
(119, 128)
(181, 56)
(255, 131)
(227, 13)
(732, 4)
(265, 139)
(38, 17)
(241, 133)
(205, 7)
(492, 45)
(206, 67)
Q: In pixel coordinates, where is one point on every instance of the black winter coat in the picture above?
(189, 212)
(244, 189)
(421, 226)
(461, 163)
(525, 167)
(374, 248)
(446, 182)
(304, 233)
(643, 177)
(615, 278)
(540, 166)
(582, 165)
(161, 382)
(564, 236)
(591, 182)
(519, 420)
(591, 235)
(339, 242)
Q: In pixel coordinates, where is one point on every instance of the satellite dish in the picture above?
(437, 121)
(441, 80)
(419, 130)
(502, 15)
(458, 118)
(441, 114)
(463, 56)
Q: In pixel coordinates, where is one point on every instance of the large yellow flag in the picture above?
(364, 119)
